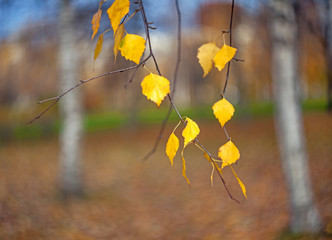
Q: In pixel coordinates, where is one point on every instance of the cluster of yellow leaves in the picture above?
(189, 134)
(209, 53)
(131, 46)
(156, 87)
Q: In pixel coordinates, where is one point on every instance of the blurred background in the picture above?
(122, 196)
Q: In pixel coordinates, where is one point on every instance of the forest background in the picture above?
(150, 198)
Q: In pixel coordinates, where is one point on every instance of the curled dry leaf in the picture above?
(96, 21)
(205, 55)
(243, 188)
(117, 40)
(99, 46)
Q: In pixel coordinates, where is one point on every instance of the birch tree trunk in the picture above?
(304, 216)
(327, 25)
(70, 105)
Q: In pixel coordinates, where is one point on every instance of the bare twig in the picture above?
(147, 32)
(215, 165)
(229, 63)
(81, 82)
(238, 60)
(230, 44)
(175, 76)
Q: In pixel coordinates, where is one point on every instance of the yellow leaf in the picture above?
(190, 132)
(213, 167)
(205, 56)
(228, 153)
(225, 54)
(184, 169)
(132, 47)
(172, 147)
(99, 46)
(117, 40)
(117, 11)
(155, 88)
(96, 21)
(223, 111)
(243, 188)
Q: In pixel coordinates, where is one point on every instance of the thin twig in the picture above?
(230, 44)
(160, 135)
(81, 82)
(238, 60)
(216, 166)
(178, 58)
(175, 76)
(147, 32)
(229, 63)
(130, 80)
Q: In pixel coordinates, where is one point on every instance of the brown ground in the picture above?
(130, 199)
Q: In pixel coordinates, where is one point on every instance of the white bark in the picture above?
(326, 19)
(289, 122)
(70, 105)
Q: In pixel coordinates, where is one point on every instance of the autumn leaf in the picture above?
(99, 46)
(213, 167)
(132, 47)
(184, 168)
(117, 40)
(96, 20)
(190, 132)
(228, 153)
(205, 56)
(172, 147)
(223, 111)
(225, 54)
(117, 11)
(155, 88)
(243, 188)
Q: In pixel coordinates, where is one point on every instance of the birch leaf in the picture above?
(190, 132)
(132, 47)
(155, 88)
(213, 167)
(208, 158)
(243, 188)
(225, 54)
(99, 46)
(184, 169)
(117, 11)
(172, 147)
(228, 153)
(117, 40)
(223, 111)
(205, 56)
(96, 20)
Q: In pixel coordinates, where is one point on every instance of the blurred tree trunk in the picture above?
(70, 105)
(304, 216)
(327, 25)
